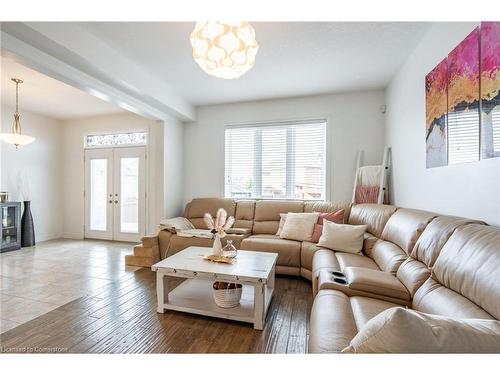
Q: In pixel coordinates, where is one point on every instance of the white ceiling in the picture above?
(294, 59)
(47, 96)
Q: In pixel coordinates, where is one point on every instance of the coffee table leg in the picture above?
(258, 303)
(161, 286)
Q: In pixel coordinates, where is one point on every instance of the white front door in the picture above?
(115, 192)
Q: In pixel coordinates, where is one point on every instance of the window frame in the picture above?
(327, 173)
(103, 133)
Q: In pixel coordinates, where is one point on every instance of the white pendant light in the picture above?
(224, 49)
(15, 137)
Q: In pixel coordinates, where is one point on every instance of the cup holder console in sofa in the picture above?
(338, 277)
(366, 282)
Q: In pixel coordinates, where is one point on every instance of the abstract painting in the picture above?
(463, 101)
(490, 89)
(435, 112)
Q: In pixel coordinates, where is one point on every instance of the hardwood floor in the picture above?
(121, 317)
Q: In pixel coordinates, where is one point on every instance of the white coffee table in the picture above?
(255, 270)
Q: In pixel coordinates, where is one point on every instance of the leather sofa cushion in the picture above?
(196, 209)
(399, 330)
(405, 226)
(328, 207)
(270, 210)
(373, 215)
(267, 214)
(323, 259)
(199, 206)
(377, 282)
(435, 235)
(469, 264)
(368, 244)
(265, 227)
(332, 324)
(388, 256)
(413, 274)
(288, 251)
(355, 260)
(245, 210)
(365, 308)
(433, 298)
(307, 251)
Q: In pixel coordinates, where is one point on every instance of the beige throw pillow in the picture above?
(299, 226)
(398, 330)
(282, 222)
(342, 237)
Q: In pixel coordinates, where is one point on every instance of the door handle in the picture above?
(110, 201)
(116, 201)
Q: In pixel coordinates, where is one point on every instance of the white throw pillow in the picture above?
(342, 237)
(398, 330)
(299, 226)
(177, 223)
(282, 223)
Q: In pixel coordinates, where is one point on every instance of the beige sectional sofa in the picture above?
(431, 263)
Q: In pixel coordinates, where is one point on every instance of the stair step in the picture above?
(142, 251)
(138, 261)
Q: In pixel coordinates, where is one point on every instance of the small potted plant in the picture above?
(226, 295)
(218, 228)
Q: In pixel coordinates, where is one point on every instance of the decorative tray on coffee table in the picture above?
(219, 259)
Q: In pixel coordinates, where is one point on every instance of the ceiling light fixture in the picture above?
(16, 138)
(224, 49)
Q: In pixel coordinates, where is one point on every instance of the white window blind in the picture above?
(276, 161)
(463, 137)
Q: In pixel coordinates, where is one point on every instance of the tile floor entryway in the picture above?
(36, 280)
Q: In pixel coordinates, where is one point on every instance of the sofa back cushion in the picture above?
(245, 211)
(435, 235)
(388, 256)
(375, 216)
(267, 214)
(199, 206)
(434, 298)
(405, 226)
(469, 264)
(328, 207)
(416, 269)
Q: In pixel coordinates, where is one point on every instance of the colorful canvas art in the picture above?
(463, 100)
(435, 112)
(490, 89)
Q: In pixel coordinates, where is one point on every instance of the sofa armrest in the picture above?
(377, 282)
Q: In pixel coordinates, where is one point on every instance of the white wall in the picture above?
(354, 122)
(73, 135)
(39, 167)
(173, 191)
(470, 190)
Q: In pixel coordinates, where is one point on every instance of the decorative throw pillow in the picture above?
(342, 237)
(176, 224)
(398, 330)
(282, 222)
(299, 226)
(335, 216)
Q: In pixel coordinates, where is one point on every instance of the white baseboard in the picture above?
(72, 236)
(41, 237)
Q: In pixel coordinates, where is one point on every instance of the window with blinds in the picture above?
(276, 161)
(463, 137)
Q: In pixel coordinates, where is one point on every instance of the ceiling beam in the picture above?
(71, 54)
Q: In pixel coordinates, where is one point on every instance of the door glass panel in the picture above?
(98, 191)
(129, 194)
